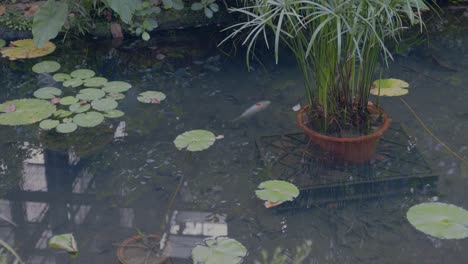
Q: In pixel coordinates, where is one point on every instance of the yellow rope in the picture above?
(432, 134)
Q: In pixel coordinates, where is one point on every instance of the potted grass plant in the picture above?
(337, 45)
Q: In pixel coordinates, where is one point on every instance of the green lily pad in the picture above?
(27, 111)
(66, 128)
(72, 82)
(104, 105)
(116, 87)
(79, 108)
(95, 82)
(89, 119)
(389, 87)
(48, 124)
(277, 191)
(82, 74)
(116, 96)
(68, 100)
(151, 97)
(2, 43)
(441, 220)
(219, 250)
(47, 93)
(90, 94)
(61, 77)
(195, 140)
(46, 67)
(114, 113)
(62, 113)
(65, 242)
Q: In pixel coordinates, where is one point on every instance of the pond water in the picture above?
(103, 186)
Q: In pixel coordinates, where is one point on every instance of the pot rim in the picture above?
(121, 248)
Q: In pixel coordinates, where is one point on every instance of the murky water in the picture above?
(103, 186)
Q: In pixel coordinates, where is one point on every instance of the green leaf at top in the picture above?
(65, 242)
(27, 111)
(75, 82)
(82, 74)
(113, 113)
(46, 67)
(214, 7)
(89, 119)
(48, 124)
(196, 6)
(95, 82)
(389, 87)
(116, 87)
(195, 140)
(47, 93)
(439, 220)
(125, 8)
(61, 77)
(90, 94)
(68, 100)
(277, 191)
(104, 104)
(151, 96)
(48, 21)
(219, 250)
(79, 108)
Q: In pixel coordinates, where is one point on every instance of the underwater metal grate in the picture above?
(396, 167)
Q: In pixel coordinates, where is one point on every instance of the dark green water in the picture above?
(102, 187)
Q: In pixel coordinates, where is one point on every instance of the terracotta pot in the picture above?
(127, 245)
(354, 150)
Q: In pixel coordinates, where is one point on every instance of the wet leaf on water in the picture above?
(116, 87)
(89, 119)
(26, 49)
(27, 111)
(61, 77)
(389, 87)
(90, 94)
(277, 191)
(46, 67)
(195, 140)
(149, 97)
(65, 242)
(72, 82)
(219, 250)
(68, 100)
(10, 108)
(79, 108)
(47, 93)
(95, 82)
(441, 220)
(116, 96)
(114, 113)
(62, 113)
(48, 124)
(55, 100)
(2, 43)
(104, 105)
(82, 74)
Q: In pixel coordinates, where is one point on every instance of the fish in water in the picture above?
(262, 105)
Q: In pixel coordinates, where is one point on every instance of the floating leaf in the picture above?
(90, 94)
(26, 49)
(48, 124)
(68, 100)
(277, 191)
(60, 77)
(439, 220)
(82, 74)
(89, 119)
(72, 82)
(65, 242)
(151, 97)
(104, 105)
(62, 113)
(219, 250)
(27, 111)
(95, 82)
(116, 87)
(47, 93)
(195, 140)
(116, 96)
(2, 43)
(79, 108)
(389, 87)
(46, 67)
(114, 113)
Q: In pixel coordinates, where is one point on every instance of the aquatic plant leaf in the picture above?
(62, 113)
(151, 97)
(116, 96)
(26, 49)
(214, 7)
(125, 8)
(60, 77)
(65, 242)
(2, 43)
(68, 100)
(47, 93)
(89, 119)
(113, 113)
(48, 124)
(10, 108)
(46, 67)
(219, 250)
(389, 87)
(90, 94)
(75, 82)
(195, 140)
(82, 74)
(104, 105)
(79, 108)
(95, 82)
(196, 6)
(441, 220)
(277, 191)
(116, 87)
(27, 111)
(48, 21)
